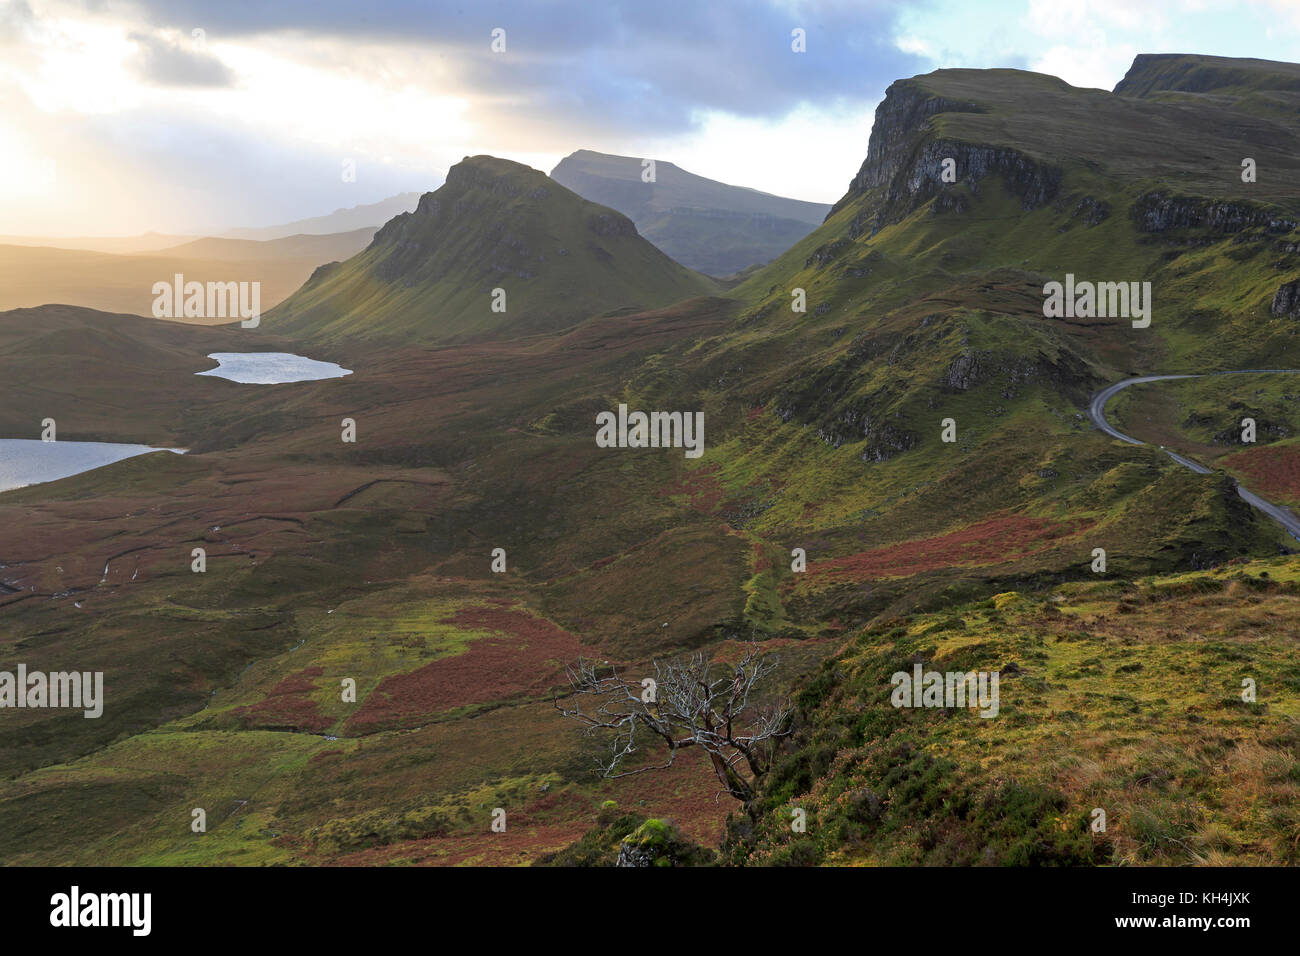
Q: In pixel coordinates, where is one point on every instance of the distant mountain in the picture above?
(372, 215)
(429, 275)
(704, 224)
(32, 276)
(341, 221)
(118, 245)
(326, 248)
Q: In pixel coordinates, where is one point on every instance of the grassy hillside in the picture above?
(429, 275)
(824, 432)
(1123, 696)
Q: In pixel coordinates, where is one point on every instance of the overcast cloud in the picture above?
(244, 112)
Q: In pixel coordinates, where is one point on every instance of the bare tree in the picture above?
(692, 702)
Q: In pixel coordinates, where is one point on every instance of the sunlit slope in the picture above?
(32, 276)
(1122, 703)
(430, 275)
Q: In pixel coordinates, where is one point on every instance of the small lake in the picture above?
(271, 368)
(31, 461)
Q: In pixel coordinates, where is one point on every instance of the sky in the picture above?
(194, 116)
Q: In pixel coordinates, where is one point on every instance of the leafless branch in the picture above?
(691, 702)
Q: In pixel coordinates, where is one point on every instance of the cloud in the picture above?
(164, 60)
(649, 67)
(16, 19)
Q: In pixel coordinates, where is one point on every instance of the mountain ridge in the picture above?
(714, 227)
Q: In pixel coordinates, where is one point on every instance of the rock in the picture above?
(1286, 301)
(1159, 212)
(904, 164)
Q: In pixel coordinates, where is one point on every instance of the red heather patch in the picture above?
(988, 542)
(525, 656)
(287, 706)
(297, 683)
(754, 413)
(1273, 471)
(701, 487)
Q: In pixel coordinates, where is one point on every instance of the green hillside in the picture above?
(429, 275)
(824, 432)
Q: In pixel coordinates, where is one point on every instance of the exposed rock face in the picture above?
(901, 119)
(828, 252)
(631, 855)
(904, 164)
(1286, 301)
(1159, 212)
(973, 367)
(658, 843)
(1093, 210)
(611, 224)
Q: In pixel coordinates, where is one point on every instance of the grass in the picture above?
(370, 561)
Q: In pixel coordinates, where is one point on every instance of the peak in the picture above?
(476, 167)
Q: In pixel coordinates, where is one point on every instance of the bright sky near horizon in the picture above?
(191, 116)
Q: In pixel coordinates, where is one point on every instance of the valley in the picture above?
(369, 563)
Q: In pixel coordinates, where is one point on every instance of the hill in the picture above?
(34, 275)
(706, 225)
(367, 216)
(119, 245)
(320, 248)
(429, 275)
(924, 310)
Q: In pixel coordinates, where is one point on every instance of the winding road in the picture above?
(1097, 412)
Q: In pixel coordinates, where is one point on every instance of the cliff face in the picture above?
(1160, 212)
(904, 163)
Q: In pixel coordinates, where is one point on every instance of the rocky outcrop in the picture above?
(1286, 301)
(1161, 212)
(904, 164)
(973, 367)
(611, 224)
(658, 843)
(901, 118)
(1093, 210)
(827, 252)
